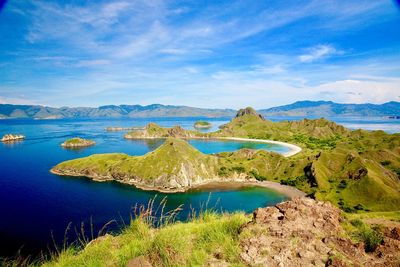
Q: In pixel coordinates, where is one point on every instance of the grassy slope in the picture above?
(193, 244)
(345, 167)
(162, 167)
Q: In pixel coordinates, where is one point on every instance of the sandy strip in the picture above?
(286, 190)
(293, 148)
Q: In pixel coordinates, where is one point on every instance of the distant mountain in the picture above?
(330, 109)
(300, 108)
(110, 111)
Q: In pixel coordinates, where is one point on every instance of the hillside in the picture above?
(355, 170)
(318, 109)
(174, 166)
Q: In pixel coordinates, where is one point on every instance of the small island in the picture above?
(12, 137)
(118, 129)
(77, 143)
(202, 125)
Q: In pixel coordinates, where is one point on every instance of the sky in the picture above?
(214, 54)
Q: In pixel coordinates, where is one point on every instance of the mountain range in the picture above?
(331, 109)
(300, 108)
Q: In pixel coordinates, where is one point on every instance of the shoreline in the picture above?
(289, 191)
(293, 148)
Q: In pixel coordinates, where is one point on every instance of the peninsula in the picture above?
(77, 142)
(355, 170)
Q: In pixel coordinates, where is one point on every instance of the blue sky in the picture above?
(224, 54)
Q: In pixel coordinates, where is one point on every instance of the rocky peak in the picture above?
(248, 111)
(306, 232)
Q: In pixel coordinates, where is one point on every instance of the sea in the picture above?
(41, 211)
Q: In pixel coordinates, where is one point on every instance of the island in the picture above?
(12, 137)
(77, 142)
(353, 169)
(202, 125)
(118, 128)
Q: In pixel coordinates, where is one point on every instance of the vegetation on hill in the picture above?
(175, 165)
(355, 170)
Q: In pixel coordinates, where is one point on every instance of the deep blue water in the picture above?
(34, 202)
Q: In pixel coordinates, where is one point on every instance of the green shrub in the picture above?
(359, 207)
(371, 237)
(258, 176)
(342, 184)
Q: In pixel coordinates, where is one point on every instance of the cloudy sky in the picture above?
(199, 53)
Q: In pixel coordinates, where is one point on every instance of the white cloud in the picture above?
(318, 52)
(91, 63)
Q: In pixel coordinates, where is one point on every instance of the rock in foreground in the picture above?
(77, 143)
(12, 137)
(305, 232)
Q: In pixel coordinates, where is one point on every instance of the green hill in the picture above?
(175, 165)
(355, 170)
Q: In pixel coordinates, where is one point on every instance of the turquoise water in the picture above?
(34, 202)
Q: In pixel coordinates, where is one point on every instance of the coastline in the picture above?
(286, 190)
(293, 148)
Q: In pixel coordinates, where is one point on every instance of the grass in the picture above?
(180, 244)
(370, 236)
(207, 236)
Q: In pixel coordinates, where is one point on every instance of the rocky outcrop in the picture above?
(248, 111)
(12, 137)
(306, 232)
(77, 143)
